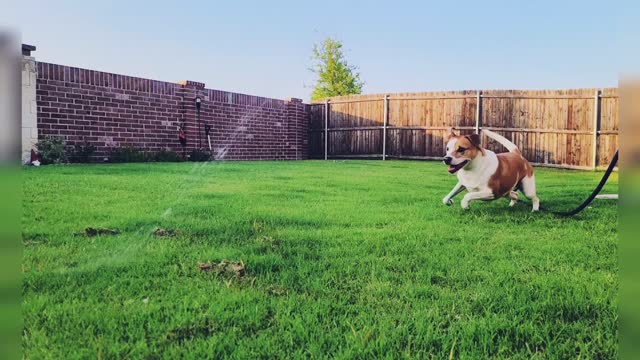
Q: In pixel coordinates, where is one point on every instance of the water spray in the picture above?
(207, 130)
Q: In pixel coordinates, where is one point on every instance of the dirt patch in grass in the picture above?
(160, 232)
(224, 267)
(91, 232)
(277, 291)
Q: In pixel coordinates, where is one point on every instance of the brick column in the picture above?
(297, 129)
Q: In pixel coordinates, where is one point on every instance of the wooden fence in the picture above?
(575, 129)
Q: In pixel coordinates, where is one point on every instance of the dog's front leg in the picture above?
(456, 190)
(479, 195)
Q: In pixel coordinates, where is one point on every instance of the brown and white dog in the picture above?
(485, 174)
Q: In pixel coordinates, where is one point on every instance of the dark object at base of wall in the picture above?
(199, 155)
(129, 155)
(167, 156)
(82, 153)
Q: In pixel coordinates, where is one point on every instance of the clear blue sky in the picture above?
(263, 47)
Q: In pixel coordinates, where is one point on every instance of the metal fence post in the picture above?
(596, 128)
(478, 113)
(384, 127)
(326, 129)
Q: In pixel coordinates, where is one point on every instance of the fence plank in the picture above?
(596, 118)
(386, 124)
(608, 139)
(478, 106)
(326, 129)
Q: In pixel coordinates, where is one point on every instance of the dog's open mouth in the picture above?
(454, 168)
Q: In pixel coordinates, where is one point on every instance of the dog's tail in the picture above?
(502, 140)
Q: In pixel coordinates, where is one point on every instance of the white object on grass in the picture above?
(607, 197)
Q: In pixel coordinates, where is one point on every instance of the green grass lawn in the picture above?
(346, 259)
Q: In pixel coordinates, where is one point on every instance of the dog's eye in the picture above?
(461, 149)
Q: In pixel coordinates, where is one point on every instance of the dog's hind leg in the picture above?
(479, 195)
(513, 195)
(529, 190)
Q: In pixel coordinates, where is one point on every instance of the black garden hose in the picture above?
(595, 192)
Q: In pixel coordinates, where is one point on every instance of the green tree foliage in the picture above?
(335, 76)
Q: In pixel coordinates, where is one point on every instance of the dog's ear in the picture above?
(475, 140)
(451, 133)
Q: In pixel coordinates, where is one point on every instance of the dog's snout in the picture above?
(447, 160)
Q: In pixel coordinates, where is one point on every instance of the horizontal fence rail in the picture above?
(571, 129)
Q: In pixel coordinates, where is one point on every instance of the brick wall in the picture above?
(110, 110)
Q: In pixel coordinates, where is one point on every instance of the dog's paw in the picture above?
(464, 205)
(447, 201)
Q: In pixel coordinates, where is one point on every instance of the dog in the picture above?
(485, 174)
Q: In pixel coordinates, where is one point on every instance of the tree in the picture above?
(335, 76)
